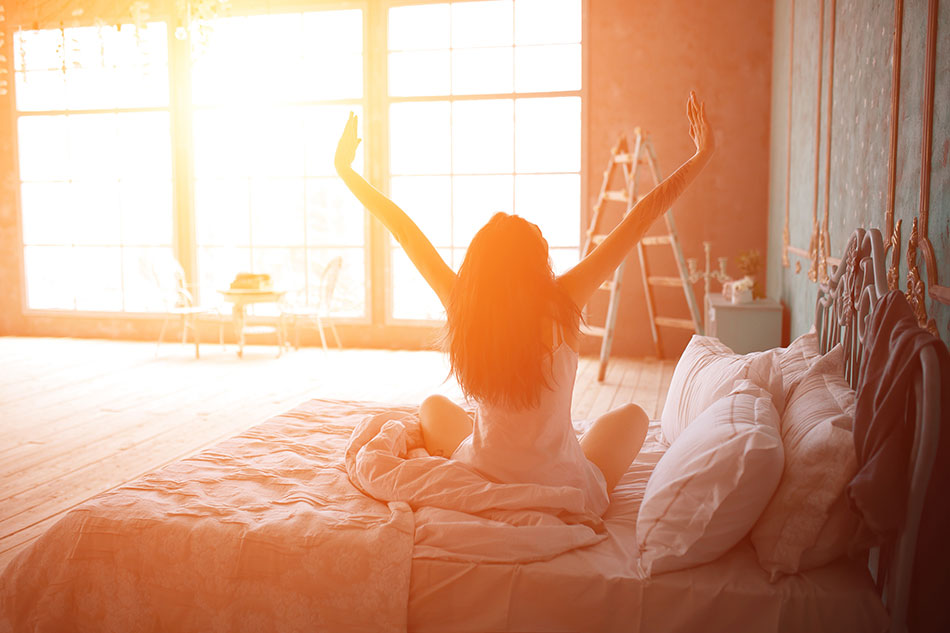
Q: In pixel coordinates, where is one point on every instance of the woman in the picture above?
(512, 335)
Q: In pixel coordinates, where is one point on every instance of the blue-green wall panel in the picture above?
(859, 136)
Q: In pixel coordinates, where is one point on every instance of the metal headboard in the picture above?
(842, 314)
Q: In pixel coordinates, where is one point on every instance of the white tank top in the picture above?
(536, 444)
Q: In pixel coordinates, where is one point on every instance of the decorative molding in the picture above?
(814, 246)
(926, 149)
(819, 243)
(824, 239)
(788, 130)
(895, 120)
(916, 293)
(894, 245)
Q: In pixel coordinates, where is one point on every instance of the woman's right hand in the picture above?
(346, 148)
(698, 125)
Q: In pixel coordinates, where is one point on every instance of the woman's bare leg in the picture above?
(444, 425)
(614, 439)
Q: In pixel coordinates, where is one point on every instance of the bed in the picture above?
(267, 531)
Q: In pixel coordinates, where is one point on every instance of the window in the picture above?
(227, 163)
(484, 116)
(95, 165)
(267, 198)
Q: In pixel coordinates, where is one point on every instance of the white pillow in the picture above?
(796, 359)
(794, 532)
(706, 372)
(709, 488)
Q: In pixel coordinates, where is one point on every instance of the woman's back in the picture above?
(536, 444)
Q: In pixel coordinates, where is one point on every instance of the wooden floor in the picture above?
(78, 417)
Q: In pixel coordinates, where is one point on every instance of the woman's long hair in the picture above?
(505, 293)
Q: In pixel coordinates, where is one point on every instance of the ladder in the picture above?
(630, 162)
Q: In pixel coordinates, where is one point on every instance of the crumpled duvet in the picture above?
(262, 532)
(459, 514)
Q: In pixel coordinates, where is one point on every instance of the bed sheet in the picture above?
(600, 589)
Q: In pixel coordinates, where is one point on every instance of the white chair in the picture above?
(178, 301)
(300, 315)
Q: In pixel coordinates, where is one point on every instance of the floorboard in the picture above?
(79, 417)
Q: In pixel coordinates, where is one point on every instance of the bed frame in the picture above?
(842, 315)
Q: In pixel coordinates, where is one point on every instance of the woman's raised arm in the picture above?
(423, 255)
(582, 280)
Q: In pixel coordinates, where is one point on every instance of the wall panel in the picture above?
(864, 164)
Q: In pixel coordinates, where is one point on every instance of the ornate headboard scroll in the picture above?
(842, 315)
(845, 301)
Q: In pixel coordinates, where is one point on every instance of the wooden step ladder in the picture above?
(630, 162)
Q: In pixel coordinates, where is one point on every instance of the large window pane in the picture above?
(275, 143)
(93, 145)
(412, 297)
(218, 150)
(223, 211)
(47, 214)
(482, 70)
(548, 68)
(548, 134)
(92, 67)
(428, 201)
(267, 196)
(143, 145)
(419, 73)
(277, 212)
(482, 138)
(49, 277)
(96, 206)
(419, 27)
(41, 90)
(143, 290)
(97, 275)
(474, 200)
(146, 212)
(349, 296)
(563, 259)
(44, 148)
(474, 168)
(477, 24)
(334, 215)
(419, 138)
(547, 21)
(553, 202)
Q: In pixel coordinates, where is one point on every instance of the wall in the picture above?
(841, 159)
(644, 59)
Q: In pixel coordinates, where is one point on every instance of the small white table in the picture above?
(240, 299)
(745, 327)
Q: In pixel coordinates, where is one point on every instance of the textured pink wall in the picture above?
(644, 57)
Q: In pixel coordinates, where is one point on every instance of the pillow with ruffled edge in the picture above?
(709, 488)
(795, 532)
(795, 360)
(706, 372)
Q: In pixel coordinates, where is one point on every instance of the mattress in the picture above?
(599, 588)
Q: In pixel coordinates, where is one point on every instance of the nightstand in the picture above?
(745, 327)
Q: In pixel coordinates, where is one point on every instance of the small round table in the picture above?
(240, 299)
